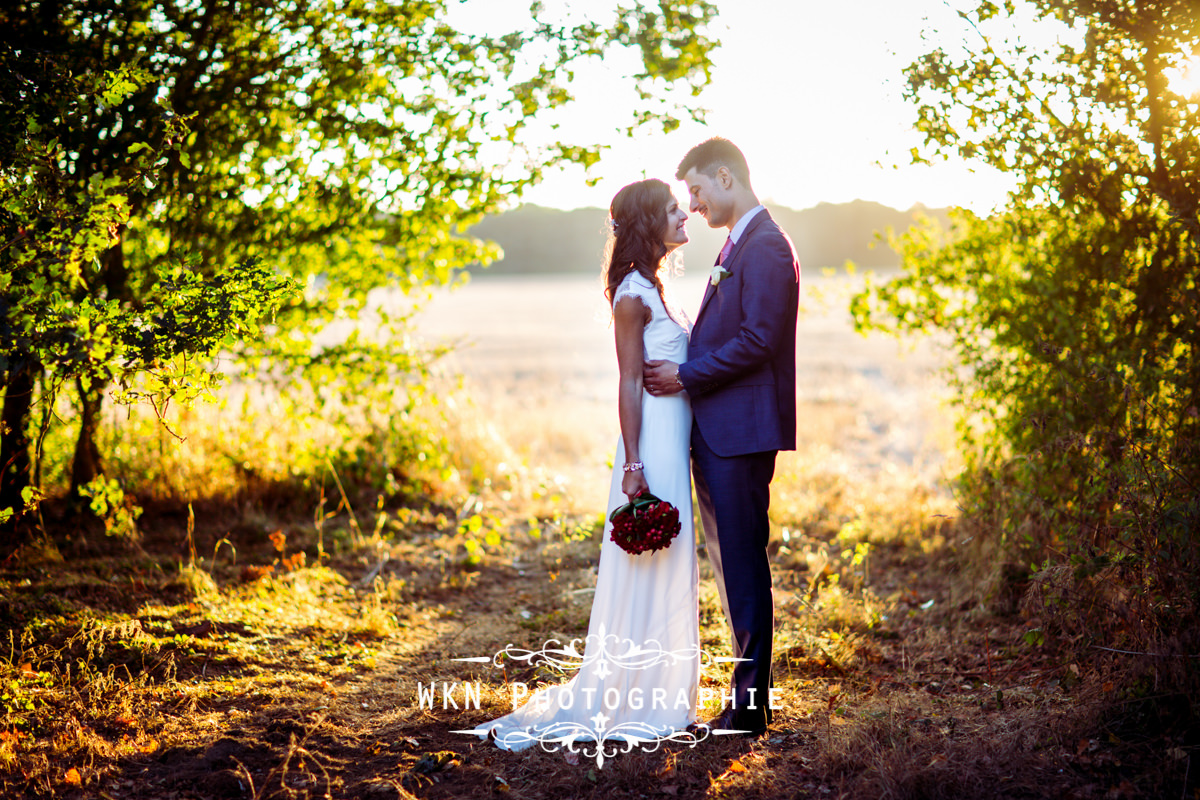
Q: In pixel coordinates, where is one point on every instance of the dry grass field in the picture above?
(537, 359)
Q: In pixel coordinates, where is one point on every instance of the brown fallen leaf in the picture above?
(73, 777)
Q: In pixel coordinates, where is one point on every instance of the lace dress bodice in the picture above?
(664, 336)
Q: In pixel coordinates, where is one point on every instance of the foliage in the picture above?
(61, 317)
(346, 143)
(1072, 311)
(348, 136)
(109, 503)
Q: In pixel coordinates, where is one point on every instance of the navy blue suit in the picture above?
(741, 377)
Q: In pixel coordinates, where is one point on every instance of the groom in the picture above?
(741, 378)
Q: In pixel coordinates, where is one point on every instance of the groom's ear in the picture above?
(725, 177)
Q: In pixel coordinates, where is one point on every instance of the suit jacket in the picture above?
(741, 367)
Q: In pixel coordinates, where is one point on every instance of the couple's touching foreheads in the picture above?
(710, 400)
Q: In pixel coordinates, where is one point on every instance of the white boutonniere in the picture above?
(718, 274)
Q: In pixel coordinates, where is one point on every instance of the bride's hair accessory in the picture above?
(633, 466)
(613, 225)
(644, 524)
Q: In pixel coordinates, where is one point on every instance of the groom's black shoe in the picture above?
(730, 720)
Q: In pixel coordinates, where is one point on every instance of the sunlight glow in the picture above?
(812, 92)
(1185, 79)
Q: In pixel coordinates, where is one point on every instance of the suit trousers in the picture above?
(734, 496)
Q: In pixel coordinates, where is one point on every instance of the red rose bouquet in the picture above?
(644, 523)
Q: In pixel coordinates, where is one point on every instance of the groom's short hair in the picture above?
(712, 154)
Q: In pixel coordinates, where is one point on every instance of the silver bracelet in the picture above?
(633, 466)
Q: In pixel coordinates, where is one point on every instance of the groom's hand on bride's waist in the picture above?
(661, 377)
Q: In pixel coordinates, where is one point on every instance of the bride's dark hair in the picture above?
(638, 218)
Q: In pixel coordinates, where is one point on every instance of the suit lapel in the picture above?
(709, 291)
(731, 261)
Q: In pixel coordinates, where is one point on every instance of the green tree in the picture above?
(59, 320)
(1073, 308)
(347, 142)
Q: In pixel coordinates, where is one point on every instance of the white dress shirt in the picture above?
(740, 227)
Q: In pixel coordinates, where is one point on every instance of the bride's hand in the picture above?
(634, 483)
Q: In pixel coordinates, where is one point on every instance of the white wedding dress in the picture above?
(640, 667)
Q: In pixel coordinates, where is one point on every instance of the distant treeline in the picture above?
(543, 240)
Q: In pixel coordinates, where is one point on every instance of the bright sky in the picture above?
(811, 92)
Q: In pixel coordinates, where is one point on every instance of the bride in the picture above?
(641, 666)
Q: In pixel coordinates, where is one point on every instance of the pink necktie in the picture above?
(725, 250)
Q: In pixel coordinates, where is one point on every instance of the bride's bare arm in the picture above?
(629, 323)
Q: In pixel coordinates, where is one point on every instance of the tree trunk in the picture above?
(14, 435)
(87, 463)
